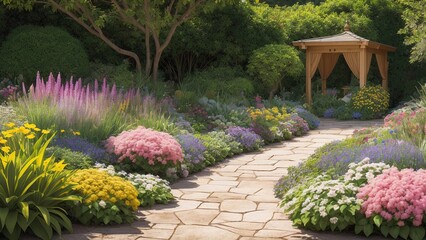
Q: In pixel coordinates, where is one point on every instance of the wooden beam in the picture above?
(308, 77)
(363, 67)
(385, 82)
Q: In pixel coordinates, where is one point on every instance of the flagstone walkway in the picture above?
(232, 200)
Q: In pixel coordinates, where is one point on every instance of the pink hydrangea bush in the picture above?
(396, 201)
(146, 148)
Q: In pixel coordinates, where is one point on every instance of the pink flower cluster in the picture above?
(9, 92)
(398, 195)
(394, 119)
(151, 145)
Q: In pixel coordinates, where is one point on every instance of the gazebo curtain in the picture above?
(353, 61)
(315, 59)
(381, 62)
(327, 63)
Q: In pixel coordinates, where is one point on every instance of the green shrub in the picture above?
(320, 103)
(371, 102)
(219, 146)
(224, 82)
(120, 74)
(273, 63)
(73, 160)
(29, 49)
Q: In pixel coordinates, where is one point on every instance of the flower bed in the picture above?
(332, 190)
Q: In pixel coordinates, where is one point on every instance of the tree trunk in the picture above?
(156, 64)
(148, 64)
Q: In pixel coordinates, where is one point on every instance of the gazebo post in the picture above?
(308, 77)
(385, 78)
(324, 86)
(363, 67)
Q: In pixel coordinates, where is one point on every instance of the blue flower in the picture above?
(356, 115)
(329, 113)
(78, 144)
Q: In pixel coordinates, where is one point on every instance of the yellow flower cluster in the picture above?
(374, 99)
(27, 131)
(94, 185)
(273, 114)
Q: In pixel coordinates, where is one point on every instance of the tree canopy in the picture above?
(156, 19)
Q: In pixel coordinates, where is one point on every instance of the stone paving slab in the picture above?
(232, 200)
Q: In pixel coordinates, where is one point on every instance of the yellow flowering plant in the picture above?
(32, 187)
(371, 101)
(267, 122)
(106, 199)
(25, 140)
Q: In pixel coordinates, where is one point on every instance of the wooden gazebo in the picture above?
(322, 53)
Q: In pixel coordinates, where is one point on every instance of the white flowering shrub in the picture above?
(152, 189)
(323, 203)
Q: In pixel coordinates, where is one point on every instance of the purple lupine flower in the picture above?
(246, 137)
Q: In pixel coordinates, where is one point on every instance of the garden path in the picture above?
(232, 200)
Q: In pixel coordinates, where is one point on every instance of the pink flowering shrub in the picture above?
(146, 149)
(394, 119)
(396, 201)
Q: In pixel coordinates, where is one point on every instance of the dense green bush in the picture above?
(29, 49)
(224, 82)
(120, 74)
(273, 63)
(74, 160)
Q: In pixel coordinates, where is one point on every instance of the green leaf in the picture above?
(358, 229)
(343, 207)
(41, 229)
(384, 230)
(353, 209)
(378, 220)
(404, 232)
(3, 215)
(417, 233)
(315, 219)
(394, 231)
(45, 213)
(25, 210)
(323, 223)
(12, 219)
(107, 219)
(305, 219)
(368, 229)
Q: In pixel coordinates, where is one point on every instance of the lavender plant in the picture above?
(78, 144)
(249, 140)
(393, 152)
(193, 150)
(312, 120)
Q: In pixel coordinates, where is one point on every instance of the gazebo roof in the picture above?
(345, 38)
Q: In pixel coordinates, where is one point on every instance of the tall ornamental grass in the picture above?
(97, 111)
